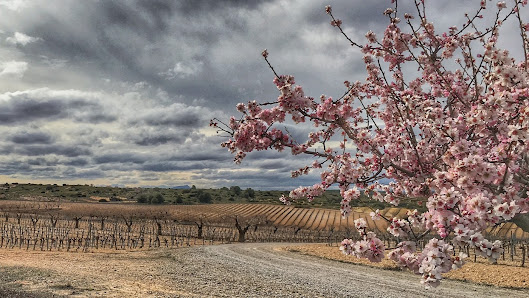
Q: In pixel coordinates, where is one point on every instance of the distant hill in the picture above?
(179, 195)
(181, 187)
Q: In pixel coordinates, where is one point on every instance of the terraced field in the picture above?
(316, 218)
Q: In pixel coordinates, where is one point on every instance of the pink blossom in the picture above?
(336, 23)
(360, 224)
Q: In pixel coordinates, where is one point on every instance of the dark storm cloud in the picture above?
(152, 17)
(172, 124)
(10, 167)
(116, 170)
(201, 6)
(40, 161)
(209, 155)
(81, 173)
(95, 114)
(28, 110)
(121, 158)
(55, 160)
(76, 162)
(153, 140)
(144, 19)
(263, 179)
(65, 150)
(36, 137)
(181, 119)
(147, 136)
(45, 104)
(360, 14)
(175, 115)
(272, 164)
(175, 166)
(149, 177)
(186, 160)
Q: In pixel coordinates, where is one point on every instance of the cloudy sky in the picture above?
(121, 92)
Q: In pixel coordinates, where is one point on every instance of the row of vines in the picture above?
(83, 228)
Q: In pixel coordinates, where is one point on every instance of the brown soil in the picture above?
(504, 274)
(107, 274)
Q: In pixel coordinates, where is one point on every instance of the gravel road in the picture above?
(235, 270)
(263, 270)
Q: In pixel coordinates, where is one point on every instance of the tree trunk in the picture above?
(53, 221)
(77, 219)
(199, 236)
(242, 235)
(159, 225)
(34, 220)
(242, 231)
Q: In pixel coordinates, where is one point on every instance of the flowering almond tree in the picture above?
(443, 116)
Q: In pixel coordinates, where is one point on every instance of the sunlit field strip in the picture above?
(310, 219)
(295, 215)
(287, 218)
(274, 218)
(302, 214)
(284, 216)
(258, 210)
(316, 221)
(322, 222)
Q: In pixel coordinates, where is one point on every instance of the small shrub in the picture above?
(115, 199)
(204, 197)
(143, 199)
(158, 199)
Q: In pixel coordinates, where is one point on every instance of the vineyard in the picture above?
(84, 227)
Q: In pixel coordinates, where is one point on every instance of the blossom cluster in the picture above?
(370, 247)
(435, 259)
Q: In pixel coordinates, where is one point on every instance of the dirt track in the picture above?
(247, 270)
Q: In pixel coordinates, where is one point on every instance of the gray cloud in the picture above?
(36, 150)
(121, 158)
(176, 115)
(46, 104)
(42, 161)
(157, 139)
(261, 179)
(34, 137)
(174, 166)
(76, 162)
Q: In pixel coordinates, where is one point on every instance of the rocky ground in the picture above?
(237, 270)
